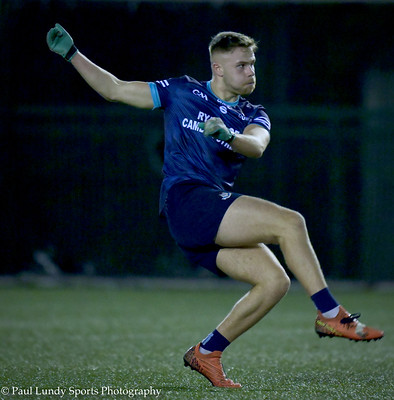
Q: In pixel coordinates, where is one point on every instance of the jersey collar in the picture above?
(227, 103)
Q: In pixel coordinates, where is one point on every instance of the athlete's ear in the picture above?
(217, 69)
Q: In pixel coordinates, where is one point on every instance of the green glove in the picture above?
(215, 128)
(61, 42)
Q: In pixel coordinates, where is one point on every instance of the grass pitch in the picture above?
(120, 343)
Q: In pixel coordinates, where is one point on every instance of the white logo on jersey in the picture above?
(164, 83)
(203, 117)
(225, 195)
(193, 125)
(223, 109)
(201, 94)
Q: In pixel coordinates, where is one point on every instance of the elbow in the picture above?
(110, 96)
(257, 153)
(259, 150)
(112, 91)
(251, 151)
(260, 146)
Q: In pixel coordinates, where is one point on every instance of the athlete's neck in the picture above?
(222, 94)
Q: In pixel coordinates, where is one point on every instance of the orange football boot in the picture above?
(208, 365)
(347, 326)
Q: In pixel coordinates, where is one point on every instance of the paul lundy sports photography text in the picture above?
(75, 392)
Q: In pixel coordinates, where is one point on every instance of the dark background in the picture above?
(80, 177)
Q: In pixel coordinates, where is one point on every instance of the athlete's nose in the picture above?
(250, 70)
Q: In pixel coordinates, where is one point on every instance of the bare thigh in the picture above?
(251, 220)
(252, 265)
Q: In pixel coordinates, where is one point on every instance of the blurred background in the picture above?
(80, 177)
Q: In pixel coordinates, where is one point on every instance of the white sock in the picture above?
(331, 313)
(203, 351)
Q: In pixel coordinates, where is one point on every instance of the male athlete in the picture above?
(210, 129)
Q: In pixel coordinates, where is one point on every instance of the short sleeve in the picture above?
(261, 118)
(155, 95)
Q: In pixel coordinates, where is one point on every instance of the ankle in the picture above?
(331, 313)
(215, 341)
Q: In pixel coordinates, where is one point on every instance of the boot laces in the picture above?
(351, 318)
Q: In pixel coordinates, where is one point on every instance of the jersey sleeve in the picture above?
(261, 118)
(162, 91)
(155, 95)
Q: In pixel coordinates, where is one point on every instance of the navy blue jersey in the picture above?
(188, 154)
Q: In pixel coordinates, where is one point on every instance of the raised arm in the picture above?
(133, 93)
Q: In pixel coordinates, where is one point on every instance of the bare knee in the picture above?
(282, 284)
(277, 282)
(296, 221)
(294, 225)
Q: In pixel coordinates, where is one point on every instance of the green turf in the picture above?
(125, 338)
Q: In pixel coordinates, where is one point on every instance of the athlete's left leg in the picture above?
(251, 220)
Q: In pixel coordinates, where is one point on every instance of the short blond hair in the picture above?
(228, 41)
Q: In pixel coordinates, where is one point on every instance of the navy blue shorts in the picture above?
(194, 212)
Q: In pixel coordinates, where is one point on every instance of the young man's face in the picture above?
(237, 70)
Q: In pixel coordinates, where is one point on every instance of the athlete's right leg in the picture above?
(259, 267)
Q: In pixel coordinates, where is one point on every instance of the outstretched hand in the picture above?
(60, 42)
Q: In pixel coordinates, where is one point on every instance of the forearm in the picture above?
(136, 94)
(252, 143)
(97, 78)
